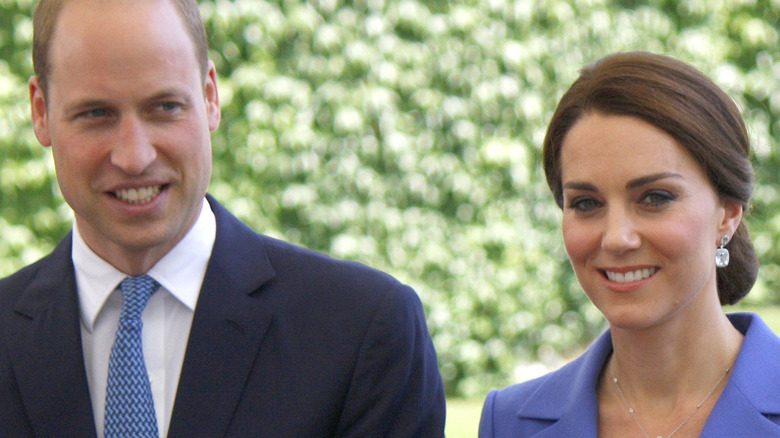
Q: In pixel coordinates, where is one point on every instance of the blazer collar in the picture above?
(227, 329)
(567, 397)
(751, 393)
(758, 382)
(46, 342)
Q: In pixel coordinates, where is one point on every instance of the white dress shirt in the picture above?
(167, 318)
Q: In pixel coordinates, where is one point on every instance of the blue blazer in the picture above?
(563, 403)
(285, 342)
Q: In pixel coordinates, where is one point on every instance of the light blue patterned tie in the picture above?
(129, 402)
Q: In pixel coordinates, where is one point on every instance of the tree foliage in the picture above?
(405, 134)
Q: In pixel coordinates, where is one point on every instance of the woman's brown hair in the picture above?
(687, 105)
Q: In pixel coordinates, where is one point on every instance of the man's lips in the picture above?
(629, 276)
(138, 195)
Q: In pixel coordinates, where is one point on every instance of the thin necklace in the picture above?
(633, 413)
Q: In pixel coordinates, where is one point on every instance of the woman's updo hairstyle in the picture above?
(678, 99)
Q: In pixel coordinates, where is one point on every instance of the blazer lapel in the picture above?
(566, 404)
(735, 416)
(227, 330)
(751, 393)
(45, 349)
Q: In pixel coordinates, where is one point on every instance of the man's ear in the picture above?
(213, 110)
(40, 117)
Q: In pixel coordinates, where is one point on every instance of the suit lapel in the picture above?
(227, 330)
(751, 393)
(46, 350)
(566, 403)
(735, 416)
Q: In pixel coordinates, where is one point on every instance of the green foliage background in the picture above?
(405, 134)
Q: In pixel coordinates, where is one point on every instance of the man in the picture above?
(243, 335)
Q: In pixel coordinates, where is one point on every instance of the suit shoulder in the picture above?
(547, 390)
(502, 406)
(299, 279)
(13, 289)
(306, 279)
(516, 395)
(57, 262)
(292, 259)
(13, 284)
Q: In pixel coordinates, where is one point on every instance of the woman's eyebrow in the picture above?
(634, 183)
(650, 179)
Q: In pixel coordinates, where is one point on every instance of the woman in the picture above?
(649, 161)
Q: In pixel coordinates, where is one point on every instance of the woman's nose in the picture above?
(620, 232)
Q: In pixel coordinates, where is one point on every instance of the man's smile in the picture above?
(138, 196)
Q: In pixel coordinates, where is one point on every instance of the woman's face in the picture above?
(641, 221)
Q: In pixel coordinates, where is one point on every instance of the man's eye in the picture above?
(95, 113)
(168, 106)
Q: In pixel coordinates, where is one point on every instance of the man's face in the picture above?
(128, 115)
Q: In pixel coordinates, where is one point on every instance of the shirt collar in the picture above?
(180, 271)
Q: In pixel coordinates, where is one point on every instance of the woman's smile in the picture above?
(629, 276)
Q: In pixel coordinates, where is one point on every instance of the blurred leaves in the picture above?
(405, 134)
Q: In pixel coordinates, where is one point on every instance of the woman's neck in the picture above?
(678, 359)
(665, 380)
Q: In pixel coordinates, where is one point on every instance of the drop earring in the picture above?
(722, 254)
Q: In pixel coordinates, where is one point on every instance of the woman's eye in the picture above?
(657, 198)
(584, 205)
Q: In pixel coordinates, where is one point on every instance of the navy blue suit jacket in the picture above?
(285, 342)
(563, 403)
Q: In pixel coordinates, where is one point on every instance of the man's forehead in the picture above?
(118, 24)
(119, 40)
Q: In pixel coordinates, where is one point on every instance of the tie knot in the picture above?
(136, 292)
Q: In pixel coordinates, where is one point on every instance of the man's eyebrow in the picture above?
(86, 104)
(81, 105)
(167, 93)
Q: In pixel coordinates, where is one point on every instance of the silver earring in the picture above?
(722, 254)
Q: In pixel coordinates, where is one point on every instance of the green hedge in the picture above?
(405, 134)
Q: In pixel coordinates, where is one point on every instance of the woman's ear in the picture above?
(732, 216)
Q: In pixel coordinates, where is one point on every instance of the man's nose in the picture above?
(134, 151)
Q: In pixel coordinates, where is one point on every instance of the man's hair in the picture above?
(45, 21)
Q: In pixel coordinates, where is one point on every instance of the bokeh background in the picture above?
(405, 134)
